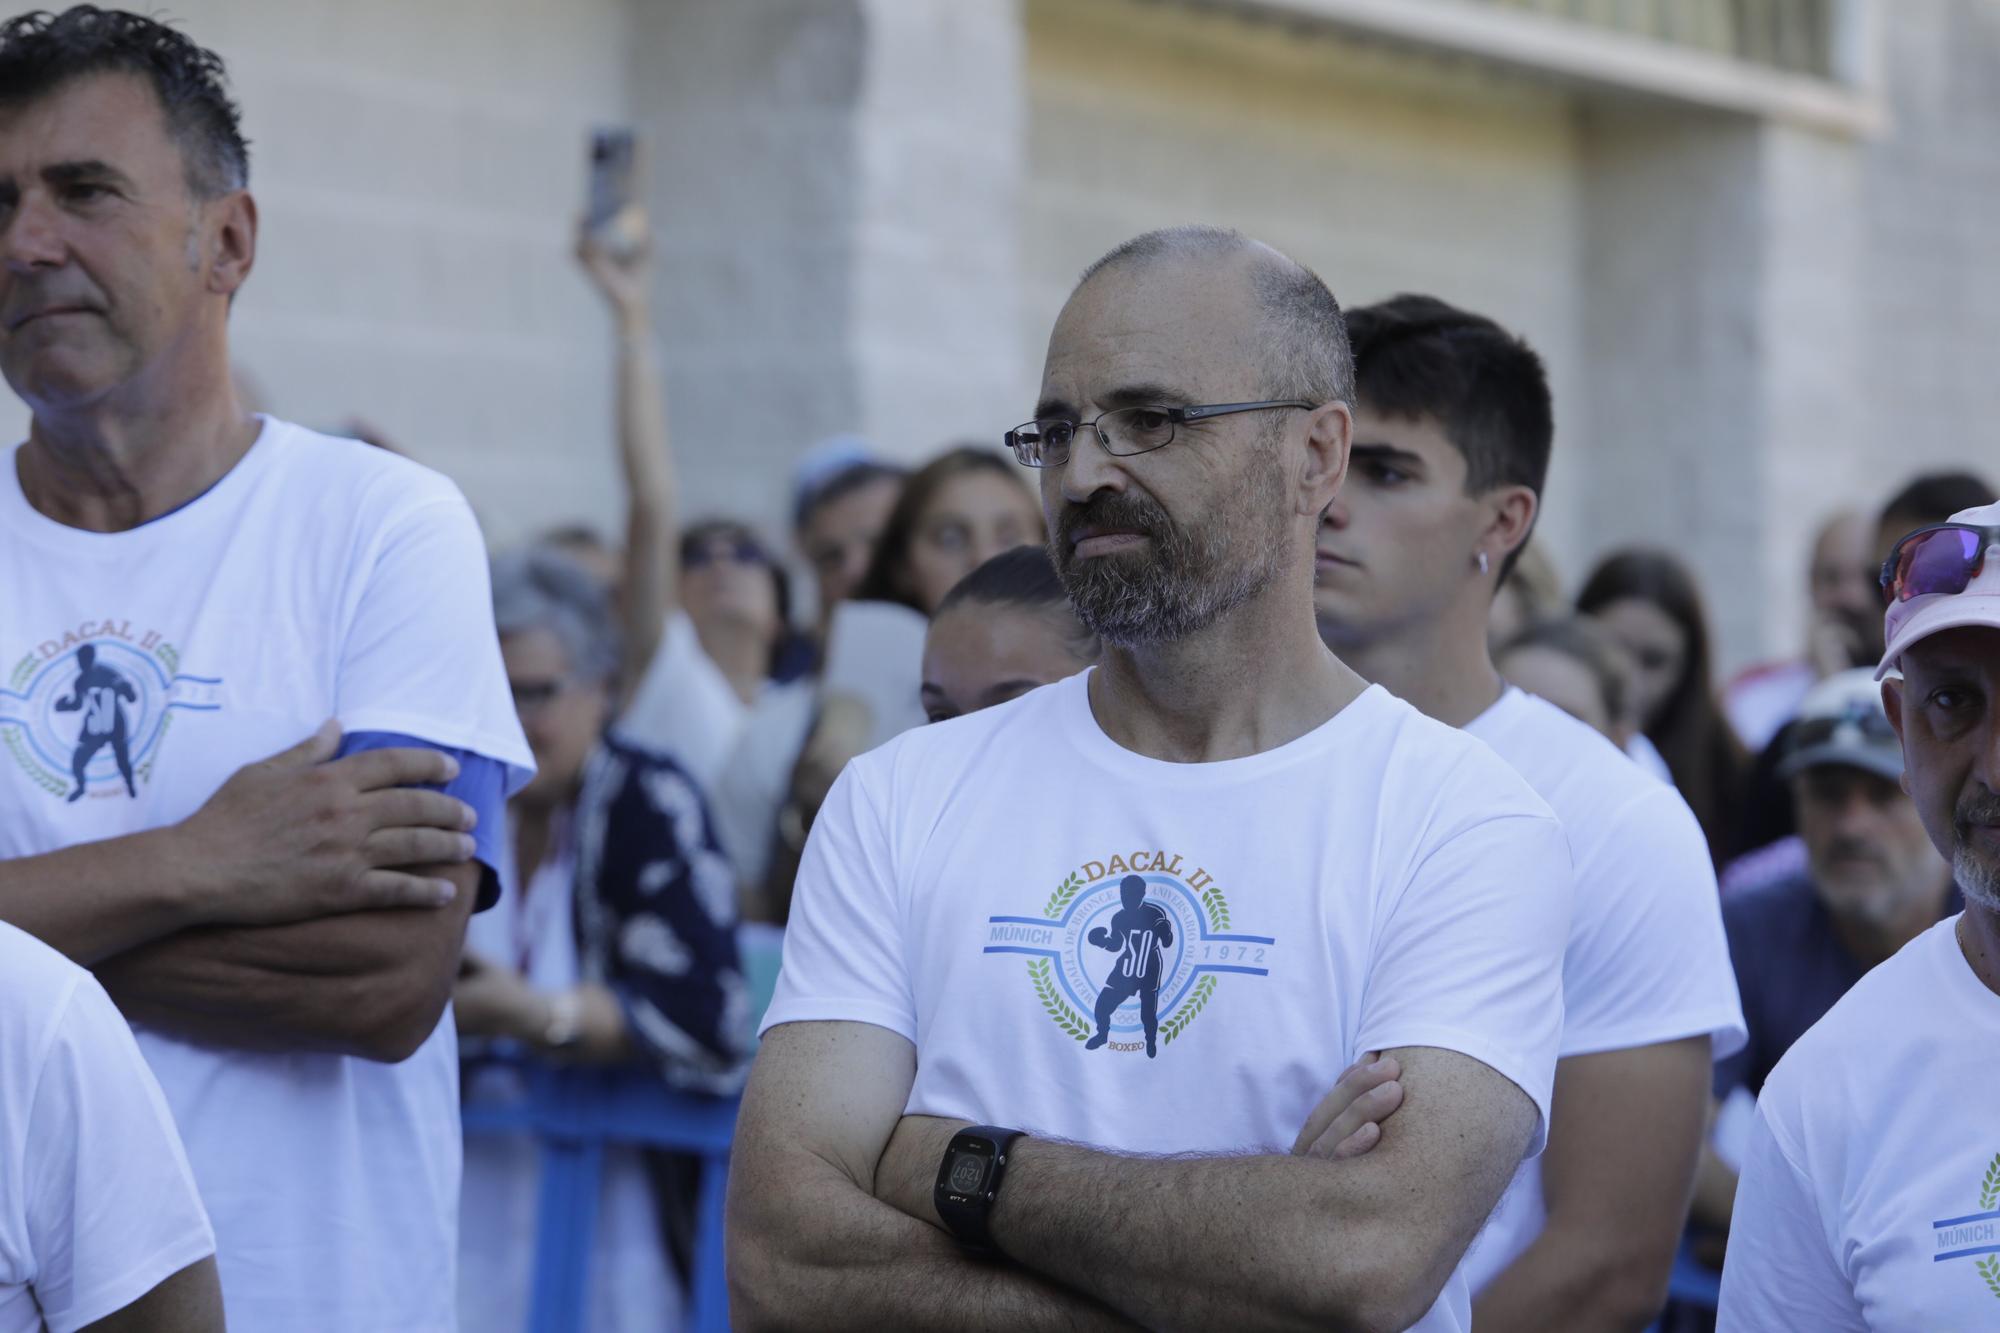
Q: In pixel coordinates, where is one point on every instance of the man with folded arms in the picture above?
(932, 1133)
(207, 589)
(1453, 431)
(1870, 1195)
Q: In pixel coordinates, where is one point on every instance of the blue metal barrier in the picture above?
(575, 1113)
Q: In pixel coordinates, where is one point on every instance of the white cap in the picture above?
(1923, 616)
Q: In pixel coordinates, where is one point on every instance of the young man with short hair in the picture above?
(1453, 428)
(1319, 869)
(1870, 1196)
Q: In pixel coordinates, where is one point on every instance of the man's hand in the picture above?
(295, 837)
(1348, 1120)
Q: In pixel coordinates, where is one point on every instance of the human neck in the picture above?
(135, 454)
(1873, 942)
(1979, 941)
(741, 653)
(1256, 679)
(1439, 666)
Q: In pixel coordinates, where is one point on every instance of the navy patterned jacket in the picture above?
(657, 915)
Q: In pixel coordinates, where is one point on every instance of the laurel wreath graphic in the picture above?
(35, 772)
(1192, 1006)
(1064, 895)
(1989, 1192)
(1218, 908)
(1068, 1019)
(1989, 1268)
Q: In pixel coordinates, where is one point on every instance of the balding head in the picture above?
(1157, 543)
(1298, 342)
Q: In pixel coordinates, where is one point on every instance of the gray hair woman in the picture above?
(621, 944)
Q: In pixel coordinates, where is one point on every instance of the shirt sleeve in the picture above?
(112, 1208)
(420, 656)
(1649, 962)
(1470, 959)
(1781, 1274)
(844, 952)
(482, 784)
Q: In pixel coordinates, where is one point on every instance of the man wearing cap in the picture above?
(1870, 1196)
(1872, 884)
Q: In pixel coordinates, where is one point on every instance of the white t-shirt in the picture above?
(1870, 1195)
(97, 1205)
(319, 578)
(684, 706)
(1382, 881)
(1647, 960)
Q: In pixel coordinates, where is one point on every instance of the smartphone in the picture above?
(614, 176)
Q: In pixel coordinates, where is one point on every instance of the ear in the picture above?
(1329, 437)
(1513, 510)
(231, 241)
(1892, 704)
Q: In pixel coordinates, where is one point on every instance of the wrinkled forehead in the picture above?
(1189, 326)
(1967, 652)
(112, 117)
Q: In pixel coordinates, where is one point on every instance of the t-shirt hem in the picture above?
(110, 1297)
(836, 1011)
(1725, 1029)
(1508, 1064)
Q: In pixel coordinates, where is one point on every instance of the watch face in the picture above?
(968, 1173)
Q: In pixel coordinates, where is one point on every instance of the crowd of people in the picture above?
(1189, 863)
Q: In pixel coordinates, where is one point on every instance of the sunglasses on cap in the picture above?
(1868, 724)
(1942, 558)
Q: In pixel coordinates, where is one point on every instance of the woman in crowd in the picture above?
(956, 512)
(1004, 629)
(1647, 601)
(616, 943)
(1573, 663)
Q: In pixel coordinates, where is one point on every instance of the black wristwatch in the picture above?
(968, 1182)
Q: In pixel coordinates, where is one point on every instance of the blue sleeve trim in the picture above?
(481, 783)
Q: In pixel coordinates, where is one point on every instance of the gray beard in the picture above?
(1191, 578)
(1978, 881)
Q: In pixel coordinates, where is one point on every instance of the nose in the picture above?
(1090, 467)
(1336, 515)
(31, 238)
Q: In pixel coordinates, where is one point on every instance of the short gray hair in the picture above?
(1306, 351)
(540, 587)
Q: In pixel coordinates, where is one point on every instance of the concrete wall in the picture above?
(870, 210)
(1384, 172)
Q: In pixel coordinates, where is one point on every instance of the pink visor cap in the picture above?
(1921, 617)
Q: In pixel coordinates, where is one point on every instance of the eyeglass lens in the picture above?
(1944, 561)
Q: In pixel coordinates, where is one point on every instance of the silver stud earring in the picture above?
(1483, 563)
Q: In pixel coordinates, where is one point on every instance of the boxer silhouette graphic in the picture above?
(1139, 934)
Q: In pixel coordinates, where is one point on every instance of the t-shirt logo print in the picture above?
(85, 712)
(1975, 1236)
(1129, 950)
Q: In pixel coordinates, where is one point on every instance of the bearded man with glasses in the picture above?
(1870, 1196)
(933, 1132)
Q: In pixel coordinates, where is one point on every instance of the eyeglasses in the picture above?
(1865, 724)
(1123, 431)
(1942, 558)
